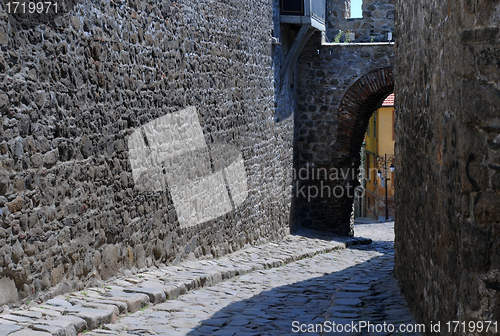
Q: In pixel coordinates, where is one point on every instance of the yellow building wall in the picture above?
(385, 143)
(371, 140)
(371, 149)
(379, 140)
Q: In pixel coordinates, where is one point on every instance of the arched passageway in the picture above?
(324, 187)
(358, 105)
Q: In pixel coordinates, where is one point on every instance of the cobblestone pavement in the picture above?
(273, 289)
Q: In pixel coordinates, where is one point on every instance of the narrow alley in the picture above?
(335, 286)
(187, 167)
(345, 285)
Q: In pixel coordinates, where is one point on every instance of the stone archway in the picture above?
(357, 106)
(324, 201)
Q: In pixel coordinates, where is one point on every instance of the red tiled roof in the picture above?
(389, 101)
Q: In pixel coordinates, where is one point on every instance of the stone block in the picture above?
(30, 332)
(46, 312)
(8, 291)
(68, 322)
(53, 330)
(15, 318)
(109, 261)
(16, 205)
(58, 302)
(8, 329)
(156, 292)
(75, 22)
(134, 301)
(4, 101)
(4, 39)
(51, 158)
(97, 305)
(94, 317)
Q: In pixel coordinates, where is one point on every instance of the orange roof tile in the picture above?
(389, 101)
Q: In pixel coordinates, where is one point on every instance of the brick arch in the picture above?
(358, 105)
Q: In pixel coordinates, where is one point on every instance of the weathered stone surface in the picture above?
(57, 302)
(73, 92)
(69, 322)
(330, 127)
(8, 291)
(30, 332)
(156, 294)
(75, 22)
(94, 317)
(375, 25)
(51, 158)
(17, 252)
(6, 329)
(134, 301)
(16, 318)
(16, 205)
(98, 305)
(447, 97)
(109, 261)
(53, 330)
(122, 306)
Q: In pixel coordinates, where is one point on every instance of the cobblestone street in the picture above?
(340, 286)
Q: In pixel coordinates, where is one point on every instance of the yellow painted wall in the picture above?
(385, 125)
(371, 140)
(379, 140)
(385, 143)
(371, 148)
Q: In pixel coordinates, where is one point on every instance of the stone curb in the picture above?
(94, 308)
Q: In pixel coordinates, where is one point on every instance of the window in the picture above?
(375, 125)
(356, 9)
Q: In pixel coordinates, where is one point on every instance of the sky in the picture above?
(356, 11)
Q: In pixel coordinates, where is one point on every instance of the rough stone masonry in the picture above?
(74, 88)
(447, 86)
(328, 75)
(375, 25)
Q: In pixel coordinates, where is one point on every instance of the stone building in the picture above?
(82, 93)
(76, 86)
(447, 111)
(447, 126)
(376, 25)
(339, 87)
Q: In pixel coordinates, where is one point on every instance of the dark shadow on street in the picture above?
(272, 312)
(377, 232)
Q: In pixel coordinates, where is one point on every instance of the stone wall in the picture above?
(448, 140)
(326, 73)
(73, 90)
(376, 23)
